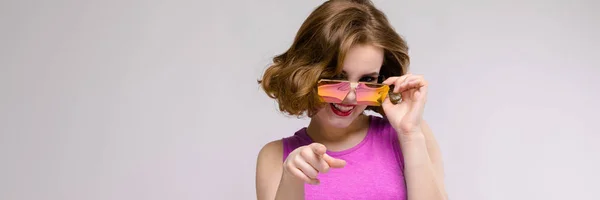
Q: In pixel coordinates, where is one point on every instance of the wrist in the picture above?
(411, 137)
(414, 149)
(288, 178)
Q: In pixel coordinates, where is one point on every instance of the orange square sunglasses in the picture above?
(367, 93)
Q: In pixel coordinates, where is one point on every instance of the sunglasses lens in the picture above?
(371, 94)
(332, 91)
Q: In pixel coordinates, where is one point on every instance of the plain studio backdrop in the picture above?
(158, 99)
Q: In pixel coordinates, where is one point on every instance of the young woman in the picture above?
(346, 58)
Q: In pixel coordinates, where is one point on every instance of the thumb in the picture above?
(334, 162)
(387, 104)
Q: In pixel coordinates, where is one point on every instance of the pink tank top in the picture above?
(374, 168)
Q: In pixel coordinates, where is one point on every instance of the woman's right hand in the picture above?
(306, 162)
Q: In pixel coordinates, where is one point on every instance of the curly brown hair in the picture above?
(319, 49)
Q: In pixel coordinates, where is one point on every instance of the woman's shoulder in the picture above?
(279, 149)
(269, 160)
(269, 165)
(271, 151)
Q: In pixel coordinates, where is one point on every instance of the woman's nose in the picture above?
(351, 97)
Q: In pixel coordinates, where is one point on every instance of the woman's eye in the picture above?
(367, 79)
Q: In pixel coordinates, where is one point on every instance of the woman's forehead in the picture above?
(363, 60)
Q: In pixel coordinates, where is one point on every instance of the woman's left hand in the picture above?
(406, 115)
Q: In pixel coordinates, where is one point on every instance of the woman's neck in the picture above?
(324, 133)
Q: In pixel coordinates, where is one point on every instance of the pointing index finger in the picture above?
(395, 79)
(390, 80)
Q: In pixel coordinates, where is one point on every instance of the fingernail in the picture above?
(316, 182)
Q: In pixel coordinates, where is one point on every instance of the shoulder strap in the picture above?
(300, 138)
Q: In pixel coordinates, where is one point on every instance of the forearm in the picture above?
(433, 149)
(290, 188)
(422, 181)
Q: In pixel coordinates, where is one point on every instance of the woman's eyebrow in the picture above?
(374, 74)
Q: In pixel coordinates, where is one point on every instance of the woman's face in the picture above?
(362, 63)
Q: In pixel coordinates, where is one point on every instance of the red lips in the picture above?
(341, 113)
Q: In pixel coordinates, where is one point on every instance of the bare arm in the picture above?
(433, 149)
(423, 169)
(270, 184)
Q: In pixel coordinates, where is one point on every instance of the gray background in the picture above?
(158, 99)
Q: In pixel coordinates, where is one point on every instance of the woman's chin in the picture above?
(339, 123)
